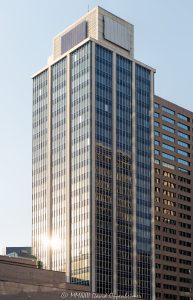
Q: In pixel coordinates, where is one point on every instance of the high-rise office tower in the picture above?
(93, 184)
(173, 201)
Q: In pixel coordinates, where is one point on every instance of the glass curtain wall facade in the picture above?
(80, 163)
(124, 99)
(104, 205)
(124, 175)
(39, 164)
(58, 158)
(143, 179)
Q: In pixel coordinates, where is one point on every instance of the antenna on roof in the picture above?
(88, 8)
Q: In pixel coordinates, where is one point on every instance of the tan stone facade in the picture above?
(94, 20)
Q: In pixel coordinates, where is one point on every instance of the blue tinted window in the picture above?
(184, 153)
(182, 117)
(184, 170)
(166, 119)
(183, 135)
(169, 111)
(156, 115)
(168, 147)
(184, 162)
(168, 138)
(185, 145)
(171, 157)
(185, 127)
(169, 129)
(103, 95)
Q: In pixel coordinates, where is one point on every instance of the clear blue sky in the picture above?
(163, 40)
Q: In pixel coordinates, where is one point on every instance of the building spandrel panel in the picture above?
(73, 37)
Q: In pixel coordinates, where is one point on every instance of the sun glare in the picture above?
(54, 242)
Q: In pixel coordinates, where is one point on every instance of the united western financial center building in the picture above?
(93, 184)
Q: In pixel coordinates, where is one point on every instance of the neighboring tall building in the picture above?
(93, 184)
(173, 201)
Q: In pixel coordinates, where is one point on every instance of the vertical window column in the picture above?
(134, 194)
(80, 167)
(104, 170)
(40, 166)
(49, 182)
(68, 171)
(93, 170)
(58, 167)
(123, 156)
(143, 182)
(114, 108)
